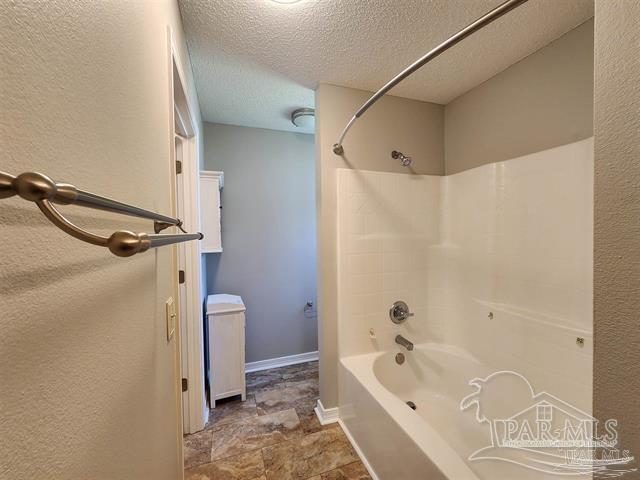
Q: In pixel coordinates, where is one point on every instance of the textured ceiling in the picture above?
(256, 60)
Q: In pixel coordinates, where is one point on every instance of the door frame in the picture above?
(194, 403)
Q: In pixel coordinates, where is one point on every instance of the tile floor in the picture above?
(273, 435)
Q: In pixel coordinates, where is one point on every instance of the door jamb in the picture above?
(183, 111)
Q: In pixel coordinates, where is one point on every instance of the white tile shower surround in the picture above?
(514, 238)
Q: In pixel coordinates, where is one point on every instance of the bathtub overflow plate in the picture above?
(399, 358)
(412, 405)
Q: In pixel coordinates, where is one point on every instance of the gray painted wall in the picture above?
(268, 234)
(616, 368)
(541, 102)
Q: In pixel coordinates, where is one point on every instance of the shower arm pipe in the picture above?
(481, 22)
(44, 192)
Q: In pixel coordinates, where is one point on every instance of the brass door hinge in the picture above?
(180, 276)
(178, 167)
(185, 384)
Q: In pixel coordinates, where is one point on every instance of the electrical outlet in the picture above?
(170, 307)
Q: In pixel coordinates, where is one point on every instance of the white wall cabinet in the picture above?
(210, 210)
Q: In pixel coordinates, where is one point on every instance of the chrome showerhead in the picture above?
(404, 159)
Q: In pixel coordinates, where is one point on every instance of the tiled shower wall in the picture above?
(387, 222)
(513, 239)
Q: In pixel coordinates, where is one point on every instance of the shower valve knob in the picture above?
(399, 312)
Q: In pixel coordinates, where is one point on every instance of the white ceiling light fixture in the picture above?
(303, 117)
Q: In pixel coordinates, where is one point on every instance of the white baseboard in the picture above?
(280, 362)
(326, 415)
(355, 446)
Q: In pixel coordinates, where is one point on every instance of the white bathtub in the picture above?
(435, 440)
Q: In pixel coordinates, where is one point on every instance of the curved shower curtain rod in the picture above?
(483, 21)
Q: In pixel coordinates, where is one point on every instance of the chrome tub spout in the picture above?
(400, 340)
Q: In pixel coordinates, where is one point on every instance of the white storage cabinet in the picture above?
(210, 210)
(226, 321)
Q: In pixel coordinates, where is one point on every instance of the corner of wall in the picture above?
(617, 220)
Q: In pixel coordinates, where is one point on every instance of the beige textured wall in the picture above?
(88, 383)
(415, 128)
(543, 101)
(617, 219)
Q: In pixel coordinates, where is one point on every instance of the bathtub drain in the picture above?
(412, 405)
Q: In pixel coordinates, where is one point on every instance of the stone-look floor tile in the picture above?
(312, 455)
(353, 471)
(254, 433)
(278, 377)
(197, 448)
(294, 395)
(309, 421)
(232, 430)
(278, 461)
(308, 418)
(232, 410)
(248, 466)
(308, 383)
(302, 371)
(264, 379)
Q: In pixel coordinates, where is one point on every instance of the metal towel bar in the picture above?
(44, 192)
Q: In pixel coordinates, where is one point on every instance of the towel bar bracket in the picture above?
(159, 226)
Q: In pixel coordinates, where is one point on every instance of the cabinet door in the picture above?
(227, 354)
(210, 214)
